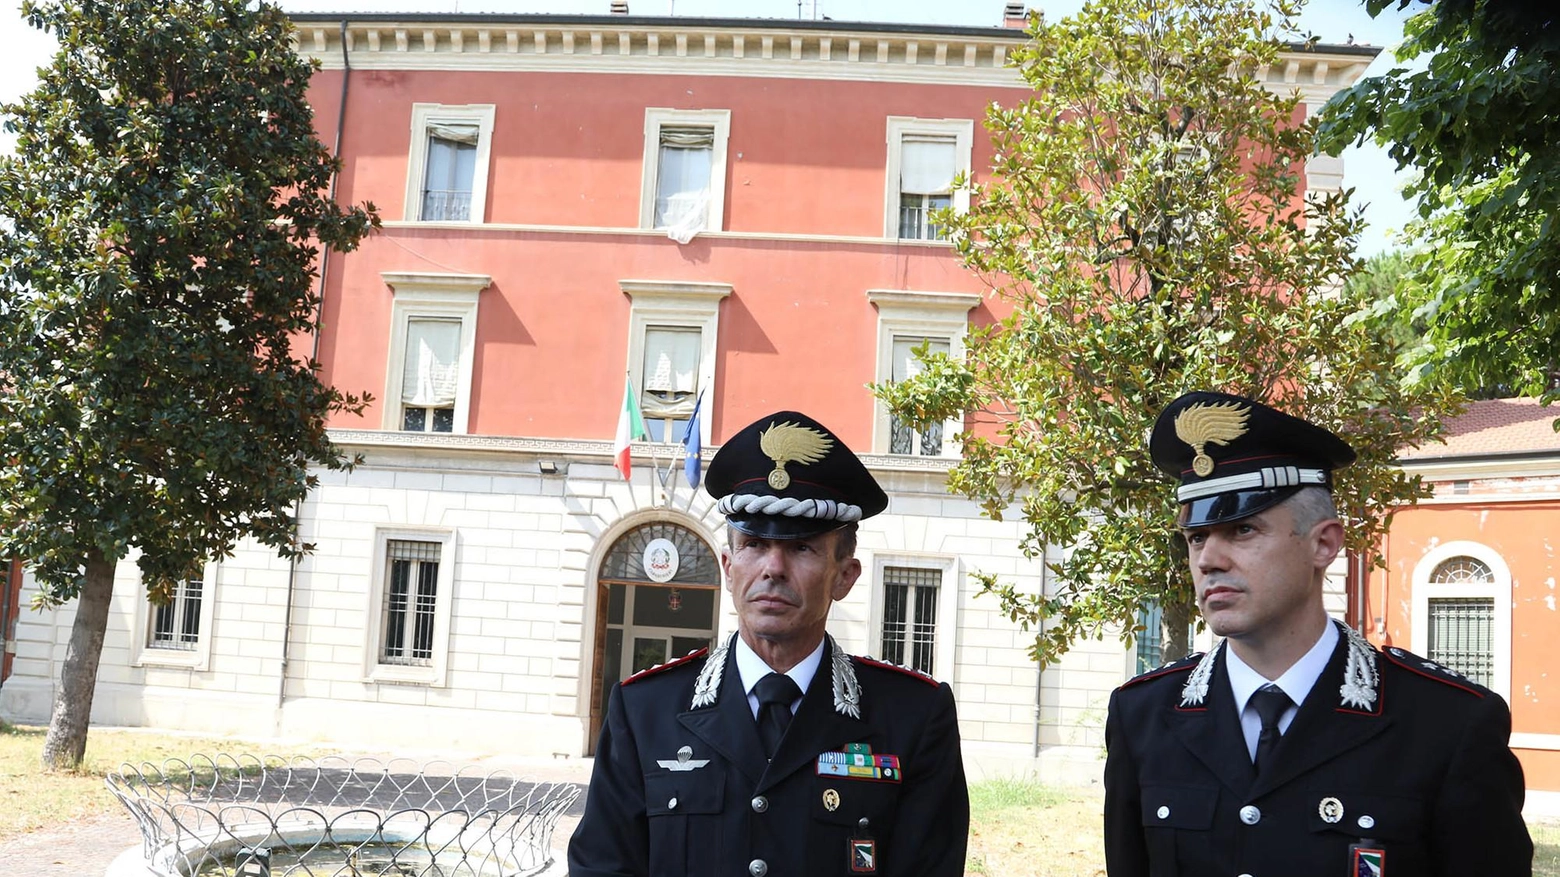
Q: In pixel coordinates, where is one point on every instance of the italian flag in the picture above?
(630, 426)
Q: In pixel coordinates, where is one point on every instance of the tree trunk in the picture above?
(1177, 621)
(66, 744)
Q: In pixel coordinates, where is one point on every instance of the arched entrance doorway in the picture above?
(658, 596)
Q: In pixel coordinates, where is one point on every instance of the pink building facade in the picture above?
(733, 214)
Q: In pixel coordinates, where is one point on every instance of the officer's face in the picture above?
(1256, 578)
(783, 587)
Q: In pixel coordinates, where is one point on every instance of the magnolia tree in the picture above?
(1479, 120)
(165, 212)
(1143, 228)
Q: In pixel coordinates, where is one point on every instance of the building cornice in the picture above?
(941, 55)
(438, 446)
(1476, 468)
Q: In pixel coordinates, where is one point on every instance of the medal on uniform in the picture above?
(863, 850)
(857, 761)
(1366, 859)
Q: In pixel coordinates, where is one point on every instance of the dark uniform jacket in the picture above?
(681, 787)
(1402, 759)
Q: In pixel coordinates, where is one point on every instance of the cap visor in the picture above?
(1225, 507)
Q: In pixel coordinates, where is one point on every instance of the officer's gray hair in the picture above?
(1311, 506)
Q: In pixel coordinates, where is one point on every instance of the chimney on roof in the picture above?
(619, 7)
(1015, 15)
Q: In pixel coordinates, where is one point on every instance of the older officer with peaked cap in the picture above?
(778, 754)
(1294, 747)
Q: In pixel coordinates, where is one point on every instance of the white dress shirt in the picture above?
(1296, 682)
(751, 668)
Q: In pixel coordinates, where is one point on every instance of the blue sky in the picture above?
(1367, 168)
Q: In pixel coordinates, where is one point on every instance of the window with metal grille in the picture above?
(910, 616)
(176, 624)
(409, 602)
(1462, 634)
(1462, 571)
(904, 437)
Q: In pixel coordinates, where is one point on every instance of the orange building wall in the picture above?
(1523, 534)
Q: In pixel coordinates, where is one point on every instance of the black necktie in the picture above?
(1269, 701)
(775, 694)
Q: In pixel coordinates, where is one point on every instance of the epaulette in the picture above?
(661, 668)
(897, 668)
(1431, 670)
(1165, 669)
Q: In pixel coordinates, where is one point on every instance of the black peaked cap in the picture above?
(1236, 457)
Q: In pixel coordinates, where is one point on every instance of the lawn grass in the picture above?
(32, 798)
(1021, 828)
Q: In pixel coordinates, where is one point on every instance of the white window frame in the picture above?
(905, 313)
(682, 305)
(658, 117)
(435, 672)
(963, 133)
(1499, 591)
(427, 114)
(431, 296)
(199, 658)
(947, 605)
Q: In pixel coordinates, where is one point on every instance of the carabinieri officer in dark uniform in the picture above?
(1294, 747)
(778, 754)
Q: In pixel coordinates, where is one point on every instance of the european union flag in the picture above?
(693, 467)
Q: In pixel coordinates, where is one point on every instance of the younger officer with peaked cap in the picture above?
(1294, 747)
(778, 754)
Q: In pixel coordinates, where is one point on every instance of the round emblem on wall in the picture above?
(660, 560)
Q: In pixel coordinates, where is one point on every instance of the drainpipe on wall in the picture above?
(1040, 670)
(314, 352)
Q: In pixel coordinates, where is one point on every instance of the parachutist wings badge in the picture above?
(1208, 424)
(789, 443)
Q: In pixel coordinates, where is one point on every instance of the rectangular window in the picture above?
(451, 170)
(430, 379)
(671, 379)
(903, 437)
(175, 625)
(447, 166)
(683, 182)
(682, 178)
(910, 616)
(927, 165)
(411, 597)
(1462, 636)
(1151, 639)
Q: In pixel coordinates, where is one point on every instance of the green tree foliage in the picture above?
(1480, 123)
(164, 215)
(1382, 284)
(1142, 222)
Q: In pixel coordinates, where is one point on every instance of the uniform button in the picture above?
(1250, 815)
(1366, 821)
(1163, 812)
(760, 804)
(672, 804)
(758, 867)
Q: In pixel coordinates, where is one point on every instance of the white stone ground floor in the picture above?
(480, 594)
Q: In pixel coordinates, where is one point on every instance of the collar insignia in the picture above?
(1210, 424)
(1360, 677)
(685, 761)
(707, 687)
(791, 443)
(847, 689)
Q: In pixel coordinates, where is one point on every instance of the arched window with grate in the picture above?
(1462, 611)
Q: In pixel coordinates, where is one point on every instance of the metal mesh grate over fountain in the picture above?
(248, 816)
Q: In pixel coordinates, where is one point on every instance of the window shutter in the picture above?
(671, 360)
(432, 367)
(926, 165)
(687, 137)
(466, 134)
(905, 365)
